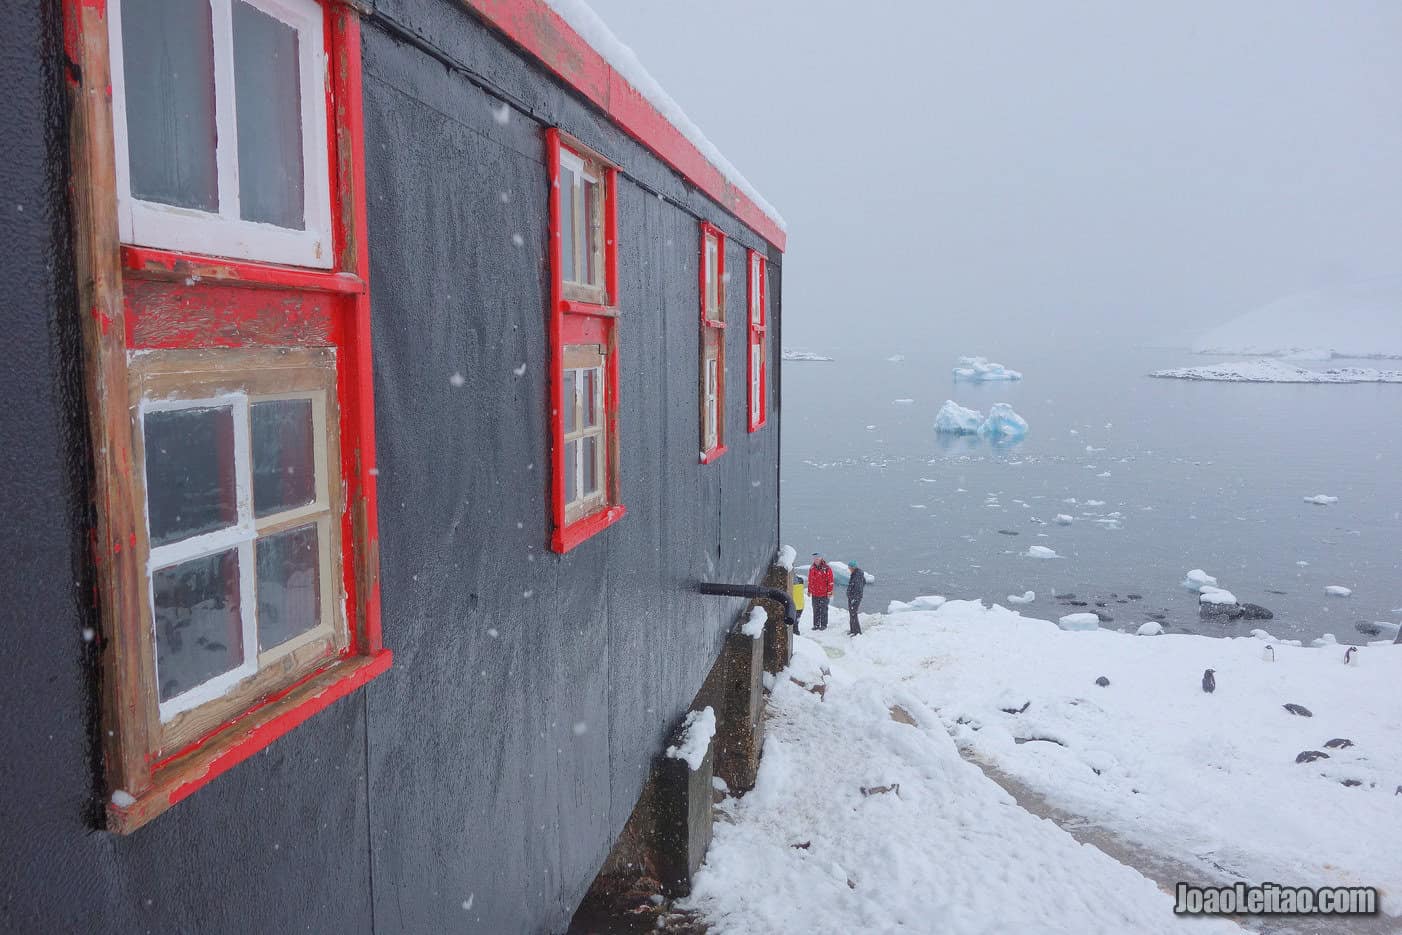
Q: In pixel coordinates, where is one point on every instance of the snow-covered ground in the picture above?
(1360, 320)
(1275, 371)
(790, 354)
(1206, 780)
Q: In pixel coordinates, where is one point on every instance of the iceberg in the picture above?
(1041, 551)
(1064, 519)
(1026, 597)
(1338, 590)
(982, 370)
(1003, 423)
(954, 419)
(1321, 499)
(1199, 580)
(1079, 622)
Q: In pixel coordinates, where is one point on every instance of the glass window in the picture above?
(189, 472)
(582, 210)
(568, 223)
(198, 621)
(284, 460)
(713, 303)
(585, 447)
(269, 104)
(289, 585)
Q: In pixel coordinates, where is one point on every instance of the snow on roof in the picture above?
(584, 21)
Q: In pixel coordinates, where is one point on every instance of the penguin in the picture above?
(1349, 654)
(1209, 681)
(1268, 654)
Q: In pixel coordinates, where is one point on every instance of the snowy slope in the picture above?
(1360, 320)
(1275, 371)
(583, 20)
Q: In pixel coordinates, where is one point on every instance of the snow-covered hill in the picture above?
(1360, 320)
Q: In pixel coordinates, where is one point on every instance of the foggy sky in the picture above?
(967, 173)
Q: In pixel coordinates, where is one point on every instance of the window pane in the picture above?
(571, 399)
(289, 585)
(756, 298)
(284, 467)
(567, 223)
(168, 69)
(712, 279)
(199, 631)
(571, 471)
(754, 377)
(591, 397)
(593, 234)
(189, 472)
(591, 464)
(268, 95)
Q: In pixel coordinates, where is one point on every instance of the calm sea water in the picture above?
(1166, 475)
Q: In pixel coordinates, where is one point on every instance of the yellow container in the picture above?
(798, 596)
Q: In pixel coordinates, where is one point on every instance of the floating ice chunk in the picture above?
(1321, 499)
(1152, 628)
(1197, 579)
(1079, 622)
(1094, 503)
(981, 369)
(802, 355)
(1025, 597)
(954, 419)
(896, 358)
(1211, 595)
(1338, 590)
(697, 731)
(903, 401)
(1041, 551)
(1002, 422)
(1063, 519)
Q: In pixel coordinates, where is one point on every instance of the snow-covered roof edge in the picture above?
(562, 33)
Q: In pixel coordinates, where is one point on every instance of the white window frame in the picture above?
(586, 502)
(588, 244)
(715, 304)
(226, 233)
(756, 296)
(756, 359)
(244, 536)
(712, 415)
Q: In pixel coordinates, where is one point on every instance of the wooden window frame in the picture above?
(148, 312)
(224, 232)
(711, 281)
(579, 359)
(580, 316)
(758, 363)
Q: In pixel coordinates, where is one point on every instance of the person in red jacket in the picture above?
(820, 589)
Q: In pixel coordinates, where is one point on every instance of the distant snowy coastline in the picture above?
(803, 355)
(1362, 320)
(1275, 371)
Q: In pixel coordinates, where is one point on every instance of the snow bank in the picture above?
(1152, 628)
(803, 355)
(981, 370)
(1359, 320)
(697, 731)
(754, 626)
(1040, 551)
(583, 20)
(1002, 422)
(1273, 371)
(932, 845)
(1079, 622)
(954, 419)
(927, 602)
(786, 557)
(1321, 499)
(1210, 780)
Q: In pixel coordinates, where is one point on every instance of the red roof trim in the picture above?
(543, 33)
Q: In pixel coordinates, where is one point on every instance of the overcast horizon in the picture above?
(978, 175)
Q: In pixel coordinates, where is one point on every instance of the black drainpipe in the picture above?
(753, 590)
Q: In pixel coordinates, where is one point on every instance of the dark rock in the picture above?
(1256, 612)
(1038, 740)
(1153, 615)
(1008, 532)
(1338, 743)
(1350, 783)
(1368, 629)
(802, 847)
(1112, 594)
(1221, 611)
(1099, 603)
(1104, 617)
(1103, 682)
(1025, 706)
(1135, 597)
(1274, 591)
(1064, 597)
(1299, 710)
(1309, 756)
(1209, 681)
(1075, 603)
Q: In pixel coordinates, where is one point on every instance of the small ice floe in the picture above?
(1197, 579)
(1063, 519)
(1213, 595)
(895, 358)
(1152, 628)
(1094, 503)
(1040, 551)
(1079, 622)
(1321, 499)
(1337, 590)
(982, 370)
(1025, 597)
(1103, 474)
(903, 401)
(802, 355)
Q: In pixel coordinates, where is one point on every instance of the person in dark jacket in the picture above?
(820, 589)
(856, 585)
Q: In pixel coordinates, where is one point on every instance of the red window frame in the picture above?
(144, 299)
(712, 343)
(760, 284)
(575, 322)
